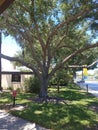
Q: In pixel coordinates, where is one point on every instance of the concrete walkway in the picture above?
(9, 122)
(92, 87)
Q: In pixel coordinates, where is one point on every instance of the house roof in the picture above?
(4, 4)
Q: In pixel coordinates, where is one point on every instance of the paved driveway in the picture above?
(92, 87)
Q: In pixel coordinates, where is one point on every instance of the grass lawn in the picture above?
(77, 110)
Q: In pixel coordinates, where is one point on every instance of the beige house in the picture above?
(14, 80)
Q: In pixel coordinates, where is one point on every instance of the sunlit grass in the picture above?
(73, 114)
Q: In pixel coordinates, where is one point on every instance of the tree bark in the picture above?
(43, 88)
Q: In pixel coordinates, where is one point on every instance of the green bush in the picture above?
(32, 85)
(10, 88)
(62, 78)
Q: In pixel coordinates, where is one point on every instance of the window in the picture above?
(16, 78)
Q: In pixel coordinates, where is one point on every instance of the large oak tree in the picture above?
(48, 30)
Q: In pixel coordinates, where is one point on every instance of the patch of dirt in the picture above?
(8, 107)
(54, 100)
(94, 107)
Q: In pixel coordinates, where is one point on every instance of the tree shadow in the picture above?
(75, 95)
(60, 117)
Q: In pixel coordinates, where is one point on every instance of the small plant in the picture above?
(10, 88)
(32, 85)
(18, 90)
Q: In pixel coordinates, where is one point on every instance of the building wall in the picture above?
(7, 81)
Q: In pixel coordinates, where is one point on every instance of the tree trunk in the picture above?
(44, 88)
(0, 63)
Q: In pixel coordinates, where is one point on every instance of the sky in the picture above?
(9, 47)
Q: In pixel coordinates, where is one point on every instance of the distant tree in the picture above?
(48, 30)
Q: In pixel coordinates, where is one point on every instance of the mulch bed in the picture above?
(94, 107)
(54, 100)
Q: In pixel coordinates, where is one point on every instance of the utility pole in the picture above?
(0, 61)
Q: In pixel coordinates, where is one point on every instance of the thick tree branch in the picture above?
(20, 25)
(59, 45)
(80, 51)
(71, 19)
(82, 66)
(27, 37)
(61, 64)
(92, 64)
(34, 21)
(55, 30)
(28, 65)
(32, 14)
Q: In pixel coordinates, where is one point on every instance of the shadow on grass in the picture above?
(28, 96)
(5, 97)
(60, 117)
(71, 116)
(74, 95)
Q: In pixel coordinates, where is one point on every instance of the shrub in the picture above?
(10, 88)
(32, 85)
